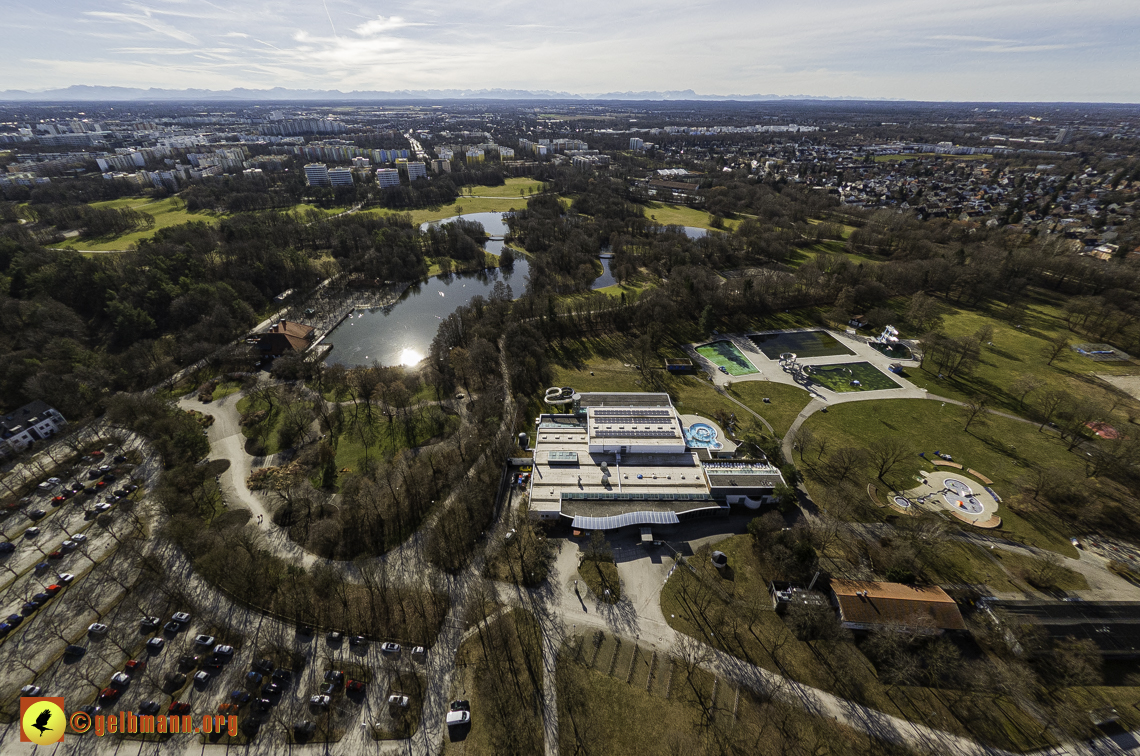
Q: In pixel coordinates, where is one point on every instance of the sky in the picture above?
(951, 50)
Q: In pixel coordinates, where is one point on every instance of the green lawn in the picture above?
(600, 577)
(380, 439)
(841, 378)
(515, 187)
(725, 354)
(682, 215)
(1002, 571)
(1018, 351)
(167, 212)
(785, 405)
(1001, 449)
(467, 205)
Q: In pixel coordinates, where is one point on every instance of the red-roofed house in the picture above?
(285, 336)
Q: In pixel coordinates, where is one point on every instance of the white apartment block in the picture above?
(317, 174)
(387, 177)
(340, 176)
(417, 170)
(30, 423)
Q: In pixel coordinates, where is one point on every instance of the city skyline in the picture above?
(1005, 51)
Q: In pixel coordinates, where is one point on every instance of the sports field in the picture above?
(725, 354)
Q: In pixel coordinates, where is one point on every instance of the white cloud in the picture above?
(380, 25)
(150, 23)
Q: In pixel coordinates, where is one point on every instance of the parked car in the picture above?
(31, 533)
(73, 651)
(108, 694)
(91, 709)
(283, 675)
(334, 676)
(204, 640)
(202, 677)
(31, 690)
(271, 689)
(7, 547)
(53, 589)
(57, 554)
(459, 714)
(420, 653)
(120, 679)
(79, 538)
(5, 628)
(172, 627)
(101, 508)
(223, 651)
(179, 707)
(304, 728)
(134, 665)
(354, 686)
(228, 708)
(264, 666)
(65, 578)
(358, 640)
(41, 568)
(14, 619)
(150, 708)
(29, 607)
(68, 545)
(239, 697)
(150, 623)
(41, 597)
(320, 702)
(335, 637)
(261, 704)
(187, 661)
(97, 628)
(327, 689)
(390, 648)
(253, 679)
(398, 700)
(156, 644)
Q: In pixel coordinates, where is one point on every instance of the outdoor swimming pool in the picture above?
(702, 436)
(725, 354)
(801, 343)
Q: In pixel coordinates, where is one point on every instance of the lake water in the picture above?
(401, 334)
(607, 277)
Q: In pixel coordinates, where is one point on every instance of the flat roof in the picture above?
(623, 399)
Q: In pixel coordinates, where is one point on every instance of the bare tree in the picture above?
(886, 454)
(975, 411)
(1049, 402)
(1054, 348)
(1025, 385)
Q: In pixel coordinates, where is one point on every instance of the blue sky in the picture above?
(1080, 50)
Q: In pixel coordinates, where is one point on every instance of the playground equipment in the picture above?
(556, 395)
(889, 336)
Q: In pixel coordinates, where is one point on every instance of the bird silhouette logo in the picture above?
(41, 720)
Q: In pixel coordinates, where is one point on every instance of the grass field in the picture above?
(1018, 351)
(786, 401)
(1002, 449)
(515, 187)
(380, 439)
(167, 212)
(462, 206)
(841, 378)
(682, 215)
(601, 577)
(725, 354)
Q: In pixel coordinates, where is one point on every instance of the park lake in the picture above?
(401, 333)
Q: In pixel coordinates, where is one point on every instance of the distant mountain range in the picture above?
(88, 93)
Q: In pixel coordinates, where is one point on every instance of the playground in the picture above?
(724, 354)
(849, 376)
(952, 491)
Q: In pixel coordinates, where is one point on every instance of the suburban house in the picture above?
(285, 336)
(32, 422)
(865, 605)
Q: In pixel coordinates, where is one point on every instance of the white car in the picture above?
(320, 701)
(120, 679)
(65, 578)
(31, 532)
(68, 545)
(181, 618)
(31, 690)
(79, 538)
(204, 640)
(390, 648)
(221, 650)
(398, 700)
(102, 507)
(98, 628)
(202, 677)
(458, 718)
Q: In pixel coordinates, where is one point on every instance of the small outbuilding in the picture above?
(867, 605)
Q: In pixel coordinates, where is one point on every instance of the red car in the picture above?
(135, 665)
(59, 499)
(97, 453)
(109, 694)
(354, 686)
(53, 589)
(101, 484)
(179, 707)
(55, 555)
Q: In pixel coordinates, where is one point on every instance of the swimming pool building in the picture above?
(629, 459)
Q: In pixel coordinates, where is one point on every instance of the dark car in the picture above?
(77, 486)
(240, 697)
(354, 686)
(74, 651)
(271, 689)
(179, 707)
(150, 708)
(253, 679)
(304, 630)
(41, 568)
(261, 704)
(109, 694)
(7, 547)
(304, 728)
(264, 666)
(41, 597)
(36, 514)
(29, 607)
(14, 619)
(5, 628)
(109, 478)
(334, 676)
(119, 459)
(172, 627)
(283, 675)
(358, 640)
(150, 623)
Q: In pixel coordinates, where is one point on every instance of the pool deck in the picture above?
(770, 370)
(728, 446)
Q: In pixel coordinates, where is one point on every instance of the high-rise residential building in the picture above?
(635, 144)
(340, 176)
(441, 166)
(317, 174)
(361, 162)
(417, 170)
(506, 153)
(474, 156)
(387, 177)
